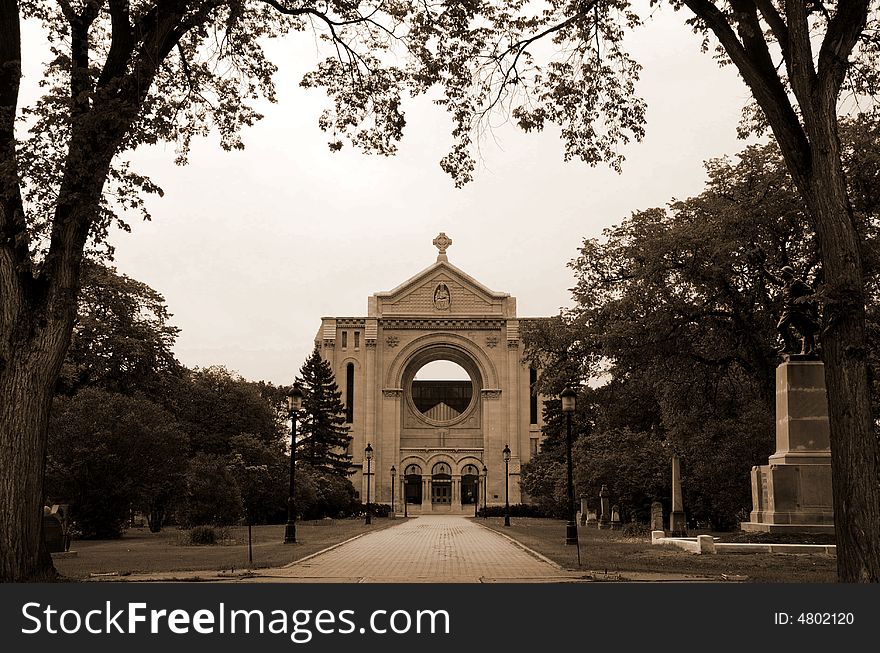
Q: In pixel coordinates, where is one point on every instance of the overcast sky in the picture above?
(252, 248)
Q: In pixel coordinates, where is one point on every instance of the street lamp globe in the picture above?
(295, 398)
(569, 400)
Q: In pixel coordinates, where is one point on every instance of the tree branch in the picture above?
(799, 63)
(80, 77)
(844, 30)
(776, 23)
(753, 61)
(121, 43)
(14, 241)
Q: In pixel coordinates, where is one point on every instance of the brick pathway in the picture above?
(428, 549)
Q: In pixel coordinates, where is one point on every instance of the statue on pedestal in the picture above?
(799, 312)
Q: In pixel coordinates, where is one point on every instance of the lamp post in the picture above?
(294, 404)
(393, 475)
(368, 454)
(569, 400)
(506, 454)
(476, 493)
(403, 492)
(485, 492)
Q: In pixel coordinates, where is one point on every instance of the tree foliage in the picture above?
(110, 454)
(675, 313)
(122, 340)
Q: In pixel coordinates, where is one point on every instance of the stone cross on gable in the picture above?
(442, 242)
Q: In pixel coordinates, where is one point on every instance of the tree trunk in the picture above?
(855, 451)
(26, 387)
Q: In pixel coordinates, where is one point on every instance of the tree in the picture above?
(123, 74)
(211, 495)
(262, 474)
(110, 453)
(215, 405)
(322, 435)
(122, 341)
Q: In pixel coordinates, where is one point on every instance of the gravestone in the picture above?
(584, 511)
(677, 526)
(53, 533)
(604, 508)
(615, 517)
(792, 493)
(656, 516)
(592, 520)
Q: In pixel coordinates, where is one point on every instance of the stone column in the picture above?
(426, 493)
(677, 526)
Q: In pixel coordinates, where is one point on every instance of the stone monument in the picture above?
(615, 517)
(656, 516)
(584, 511)
(604, 508)
(792, 493)
(677, 526)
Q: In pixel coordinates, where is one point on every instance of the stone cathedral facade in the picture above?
(438, 435)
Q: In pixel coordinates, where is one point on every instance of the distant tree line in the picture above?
(134, 431)
(672, 337)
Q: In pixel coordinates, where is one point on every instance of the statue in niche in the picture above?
(441, 297)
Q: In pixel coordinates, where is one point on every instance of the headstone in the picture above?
(604, 508)
(792, 494)
(592, 520)
(656, 516)
(584, 511)
(53, 534)
(615, 517)
(677, 526)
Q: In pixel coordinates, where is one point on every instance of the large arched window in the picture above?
(349, 393)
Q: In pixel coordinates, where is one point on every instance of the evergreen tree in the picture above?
(322, 436)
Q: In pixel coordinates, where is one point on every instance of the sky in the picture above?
(250, 249)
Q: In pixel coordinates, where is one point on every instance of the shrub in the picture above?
(380, 509)
(637, 529)
(201, 535)
(516, 510)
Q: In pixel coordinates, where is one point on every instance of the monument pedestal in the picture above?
(792, 493)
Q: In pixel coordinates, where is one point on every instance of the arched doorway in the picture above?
(412, 484)
(441, 484)
(469, 488)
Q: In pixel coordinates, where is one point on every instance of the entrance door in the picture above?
(441, 484)
(441, 492)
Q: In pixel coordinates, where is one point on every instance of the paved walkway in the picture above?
(428, 549)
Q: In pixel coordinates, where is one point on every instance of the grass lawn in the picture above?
(612, 551)
(139, 550)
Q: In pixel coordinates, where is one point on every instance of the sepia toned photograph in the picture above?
(529, 292)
